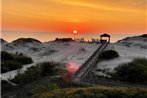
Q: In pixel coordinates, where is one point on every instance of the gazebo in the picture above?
(104, 36)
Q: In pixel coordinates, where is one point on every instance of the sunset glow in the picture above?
(96, 16)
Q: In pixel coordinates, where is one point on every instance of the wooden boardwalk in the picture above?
(91, 62)
(83, 75)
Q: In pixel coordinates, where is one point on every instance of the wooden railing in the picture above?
(86, 67)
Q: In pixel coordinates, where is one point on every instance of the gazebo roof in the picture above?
(105, 35)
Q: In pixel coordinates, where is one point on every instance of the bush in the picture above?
(32, 73)
(109, 54)
(6, 56)
(36, 72)
(48, 68)
(133, 72)
(10, 65)
(13, 61)
(64, 39)
(24, 59)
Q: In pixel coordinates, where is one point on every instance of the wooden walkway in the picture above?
(85, 69)
(82, 76)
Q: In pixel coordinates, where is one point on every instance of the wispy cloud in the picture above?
(99, 5)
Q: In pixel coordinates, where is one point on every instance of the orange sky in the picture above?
(112, 16)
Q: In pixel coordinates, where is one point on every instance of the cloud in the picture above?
(108, 5)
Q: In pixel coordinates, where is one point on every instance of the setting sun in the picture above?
(75, 32)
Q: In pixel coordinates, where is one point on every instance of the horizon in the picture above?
(51, 36)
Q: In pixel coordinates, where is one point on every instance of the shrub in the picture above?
(13, 61)
(23, 59)
(36, 72)
(6, 56)
(109, 54)
(48, 68)
(10, 65)
(133, 72)
(32, 73)
(64, 39)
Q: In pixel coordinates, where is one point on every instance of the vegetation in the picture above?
(133, 72)
(35, 79)
(109, 54)
(45, 88)
(6, 56)
(11, 62)
(6, 86)
(36, 72)
(23, 59)
(53, 90)
(64, 39)
(10, 65)
(94, 92)
(58, 88)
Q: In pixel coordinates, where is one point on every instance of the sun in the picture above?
(75, 32)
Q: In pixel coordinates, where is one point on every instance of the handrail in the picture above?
(90, 60)
(97, 57)
(87, 61)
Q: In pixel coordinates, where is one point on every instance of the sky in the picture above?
(48, 19)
